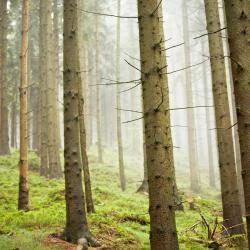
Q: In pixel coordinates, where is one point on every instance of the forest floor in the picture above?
(121, 221)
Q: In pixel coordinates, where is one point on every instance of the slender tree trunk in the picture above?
(118, 102)
(23, 199)
(238, 26)
(76, 221)
(97, 75)
(4, 127)
(230, 193)
(235, 128)
(44, 169)
(159, 148)
(53, 147)
(13, 141)
(81, 105)
(194, 176)
(208, 117)
(87, 181)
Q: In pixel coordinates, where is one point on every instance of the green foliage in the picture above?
(121, 220)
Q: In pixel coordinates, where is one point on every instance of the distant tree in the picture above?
(50, 160)
(192, 151)
(159, 147)
(76, 222)
(118, 101)
(23, 198)
(230, 193)
(238, 27)
(4, 126)
(81, 83)
(98, 96)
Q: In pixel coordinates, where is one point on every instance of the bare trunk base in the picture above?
(143, 188)
(23, 198)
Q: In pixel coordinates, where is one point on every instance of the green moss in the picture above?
(119, 219)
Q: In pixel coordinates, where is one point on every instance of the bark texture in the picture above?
(230, 193)
(76, 221)
(97, 75)
(208, 115)
(159, 148)
(238, 26)
(23, 199)
(118, 102)
(192, 152)
(4, 127)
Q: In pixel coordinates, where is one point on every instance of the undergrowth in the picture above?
(121, 220)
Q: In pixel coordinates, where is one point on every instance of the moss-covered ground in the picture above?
(121, 220)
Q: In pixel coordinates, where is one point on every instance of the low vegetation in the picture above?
(121, 220)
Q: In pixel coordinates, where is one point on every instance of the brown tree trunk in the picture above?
(238, 26)
(53, 145)
(118, 102)
(230, 193)
(208, 117)
(159, 148)
(192, 152)
(23, 199)
(97, 75)
(4, 127)
(44, 169)
(76, 221)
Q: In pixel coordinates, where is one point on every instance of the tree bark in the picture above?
(23, 198)
(159, 148)
(76, 221)
(44, 169)
(230, 193)
(97, 75)
(238, 26)
(208, 117)
(118, 102)
(4, 127)
(192, 152)
(53, 144)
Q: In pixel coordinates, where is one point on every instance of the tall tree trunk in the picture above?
(238, 26)
(13, 141)
(118, 101)
(235, 128)
(81, 104)
(208, 117)
(44, 169)
(97, 75)
(53, 145)
(23, 199)
(76, 221)
(192, 152)
(4, 127)
(230, 193)
(159, 148)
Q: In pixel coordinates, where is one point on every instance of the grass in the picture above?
(121, 221)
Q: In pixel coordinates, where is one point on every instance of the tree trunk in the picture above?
(23, 199)
(4, 127)
(44, 169)
(159, 148)
(13, 141)
(76, 221)
(192, 152)
(53, 144)
(238, 26)
(97, 75)
(118, 102)
(208, 117)
(230, 194)
(235, 129)
(81, 82)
